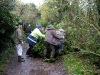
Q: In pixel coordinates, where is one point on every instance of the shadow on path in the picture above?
(33, 66)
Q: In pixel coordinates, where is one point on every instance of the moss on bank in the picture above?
(76, 65)
(5, 57)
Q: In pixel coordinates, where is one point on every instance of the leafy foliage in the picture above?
(7, 23)
(5, 57)
(27, 13)
(78, 66)
(82, 28)
(80, 19)
(38, 49)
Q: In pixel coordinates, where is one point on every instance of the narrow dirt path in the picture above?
(34, 66)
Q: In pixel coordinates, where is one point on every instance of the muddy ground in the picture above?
(33, 66)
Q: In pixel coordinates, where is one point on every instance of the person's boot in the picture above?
(20, 59)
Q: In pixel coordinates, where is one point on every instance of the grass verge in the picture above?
(76, 65)
(5, 57)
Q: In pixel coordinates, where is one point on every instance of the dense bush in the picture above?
(38, 49)
(7, 23)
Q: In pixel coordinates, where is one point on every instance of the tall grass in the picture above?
(75, 65)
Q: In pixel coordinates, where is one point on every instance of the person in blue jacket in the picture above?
(33, 38)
